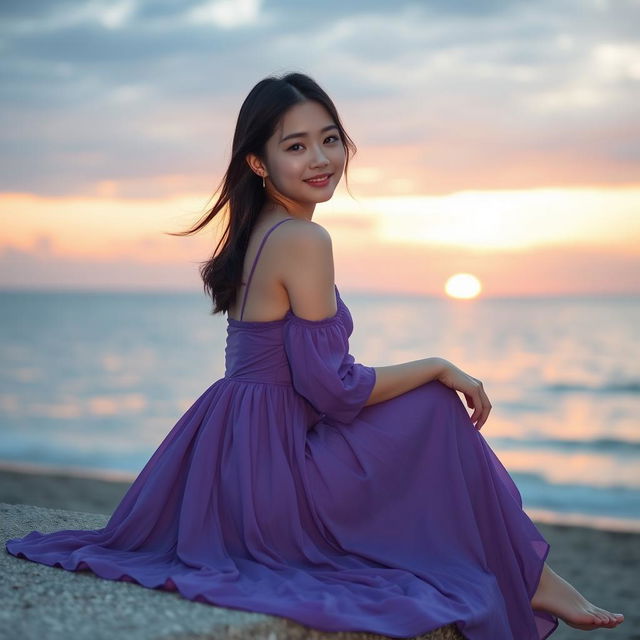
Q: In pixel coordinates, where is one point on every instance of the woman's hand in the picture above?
(472, 389)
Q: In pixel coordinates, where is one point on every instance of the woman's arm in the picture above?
(395, 379)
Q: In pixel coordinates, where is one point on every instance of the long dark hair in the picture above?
(241, 191)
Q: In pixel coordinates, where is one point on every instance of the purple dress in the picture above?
(279, 492)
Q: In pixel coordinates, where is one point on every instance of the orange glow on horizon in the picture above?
(573, 240)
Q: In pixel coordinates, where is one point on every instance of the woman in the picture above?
(307, 485)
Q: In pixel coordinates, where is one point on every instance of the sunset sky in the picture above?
(497, 138)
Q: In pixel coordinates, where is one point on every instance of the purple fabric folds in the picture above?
(279, 492)
(323, 370)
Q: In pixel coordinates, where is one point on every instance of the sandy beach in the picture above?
(603, 565)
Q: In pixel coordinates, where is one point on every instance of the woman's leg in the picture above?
(555, 595)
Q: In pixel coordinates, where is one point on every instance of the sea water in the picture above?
(94, 381)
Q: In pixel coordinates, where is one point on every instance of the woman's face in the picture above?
(306, 144)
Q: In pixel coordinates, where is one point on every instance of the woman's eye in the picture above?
(297, 144)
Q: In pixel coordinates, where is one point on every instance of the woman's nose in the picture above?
(320, 158)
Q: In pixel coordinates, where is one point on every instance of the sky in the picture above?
(496, 138)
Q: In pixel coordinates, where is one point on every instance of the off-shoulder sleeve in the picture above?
(323, 370)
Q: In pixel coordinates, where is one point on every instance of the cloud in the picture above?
(468, 94)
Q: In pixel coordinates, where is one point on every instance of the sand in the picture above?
(603, 565)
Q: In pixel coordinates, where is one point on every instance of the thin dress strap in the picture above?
(255, 261)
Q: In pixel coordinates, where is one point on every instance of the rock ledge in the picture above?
(49, 602)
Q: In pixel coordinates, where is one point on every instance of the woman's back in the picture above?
(268, 299)
(298, 255)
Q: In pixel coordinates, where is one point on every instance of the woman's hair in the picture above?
(241, 190)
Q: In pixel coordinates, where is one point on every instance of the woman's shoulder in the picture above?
(305, 235)
(303, 249)
(306, 269)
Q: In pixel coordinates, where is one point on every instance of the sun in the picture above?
(463, 285)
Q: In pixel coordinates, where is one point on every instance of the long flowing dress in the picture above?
(279, 492)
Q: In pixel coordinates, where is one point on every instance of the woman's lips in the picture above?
(319, 183)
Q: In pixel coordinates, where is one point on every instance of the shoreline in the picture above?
(111, 485)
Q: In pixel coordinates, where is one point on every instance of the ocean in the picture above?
(92, 382)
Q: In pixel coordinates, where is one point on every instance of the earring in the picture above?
(263, 184)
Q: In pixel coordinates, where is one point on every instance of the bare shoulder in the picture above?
(306, 268)
(305, 234)
(304, 241)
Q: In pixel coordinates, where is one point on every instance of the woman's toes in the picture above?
(600, 618)
(611, 618)
(608, 620)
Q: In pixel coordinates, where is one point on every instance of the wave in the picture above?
(630, 386)
(613, 501)
(599, 445)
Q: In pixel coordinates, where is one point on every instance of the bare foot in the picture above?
(558, 597)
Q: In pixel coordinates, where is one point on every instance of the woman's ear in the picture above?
(256, 165)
